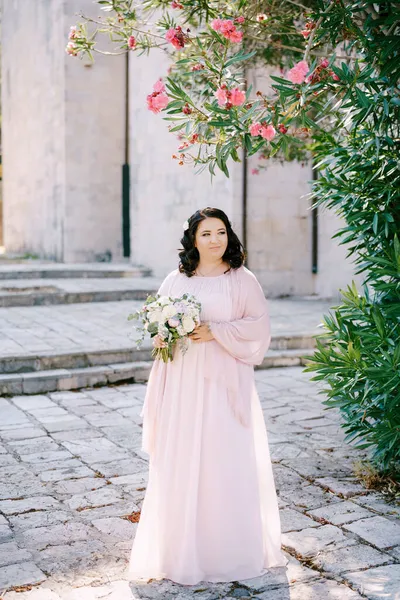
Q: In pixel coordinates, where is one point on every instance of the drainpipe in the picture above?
(126, 226)
(314, 230)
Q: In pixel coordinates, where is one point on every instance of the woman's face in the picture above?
(211, 239)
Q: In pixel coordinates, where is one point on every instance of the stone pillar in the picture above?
(63, 134)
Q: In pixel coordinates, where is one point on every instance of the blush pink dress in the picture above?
(210, 512)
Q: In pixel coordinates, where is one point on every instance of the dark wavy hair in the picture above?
(189, 256)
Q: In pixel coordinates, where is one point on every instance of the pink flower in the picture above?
(197, 67)
(173, 322)
(298, 73)
(159, 86)
(216, 24)
(268, 132)
(255, 171)
(282, 128)
(71, 49)
(176, 37)
(228, 29)
(131, 42)
(156, 102)
(324, 63)
(305, 33)
(261, 18)
(72, 32)
(240, 20)
(236, 37)
(222, 96)
(335, 77)
(237, 97)
(176, 4)
(255, 129)
(158, 99)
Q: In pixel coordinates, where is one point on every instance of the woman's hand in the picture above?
(202, 333)
(158, 342)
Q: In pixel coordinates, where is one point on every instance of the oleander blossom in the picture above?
(298, 73)
(158, 100)
(71, 49)
(228, 98)
(171, 319)
(228, 29)
(268, 132)
(176, 37)
(131, 42)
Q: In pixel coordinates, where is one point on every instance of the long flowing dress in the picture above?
(210, 512)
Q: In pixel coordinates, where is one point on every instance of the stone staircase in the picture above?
(28, 371)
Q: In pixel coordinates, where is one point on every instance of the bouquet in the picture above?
(169, 318)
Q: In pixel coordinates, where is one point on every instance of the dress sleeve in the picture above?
(247, 339)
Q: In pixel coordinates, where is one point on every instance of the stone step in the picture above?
(45, 270)
(51, 380)
(34, 362)
(52, 295)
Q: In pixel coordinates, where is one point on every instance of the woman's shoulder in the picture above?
(245, 274)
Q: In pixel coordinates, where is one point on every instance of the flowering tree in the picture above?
(335, 96)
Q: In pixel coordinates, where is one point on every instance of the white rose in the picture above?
(181, 331)
(188, 324)
(163, 300)
(168, 312)
(155, 316)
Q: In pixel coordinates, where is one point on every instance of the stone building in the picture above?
(70, 126)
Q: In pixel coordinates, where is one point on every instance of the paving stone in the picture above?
(18, 482)
(271, 578)
(101, 497)
(379, 531)
(308, 496)
(38, 401)
(5, 533)
(10, 415)
(20, 574)
(7, 459)
(42, 444)
(120, 467)
(352, 558)
(116, 528)
(345, 487)
(43, 457)
(41, 518)
(79, 486)
(40, 468)
(139, 479)
(319, 590)
(341, 512)
(64, 423)
(395, 552)
(116, 590)
(22, 434)
(378, 583)
(119, 509)
(316, 468)
(14, 507)
(34, 594)
(129, 437)
(103, 419)
(71, 472)
(76, 434)
(77, 556)
(56, 535)
(312, 540)
(378, 503)
(292, 520)
(48, 414)
(95, 450)
(10, 554)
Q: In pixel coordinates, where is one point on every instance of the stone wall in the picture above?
(63, 132)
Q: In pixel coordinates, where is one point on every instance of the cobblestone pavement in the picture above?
(104, 325)
(71, 471)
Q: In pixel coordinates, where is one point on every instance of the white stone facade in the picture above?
(63, 149)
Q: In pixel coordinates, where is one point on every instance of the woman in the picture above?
(210, 512)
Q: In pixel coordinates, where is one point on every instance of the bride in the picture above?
(210, 512)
